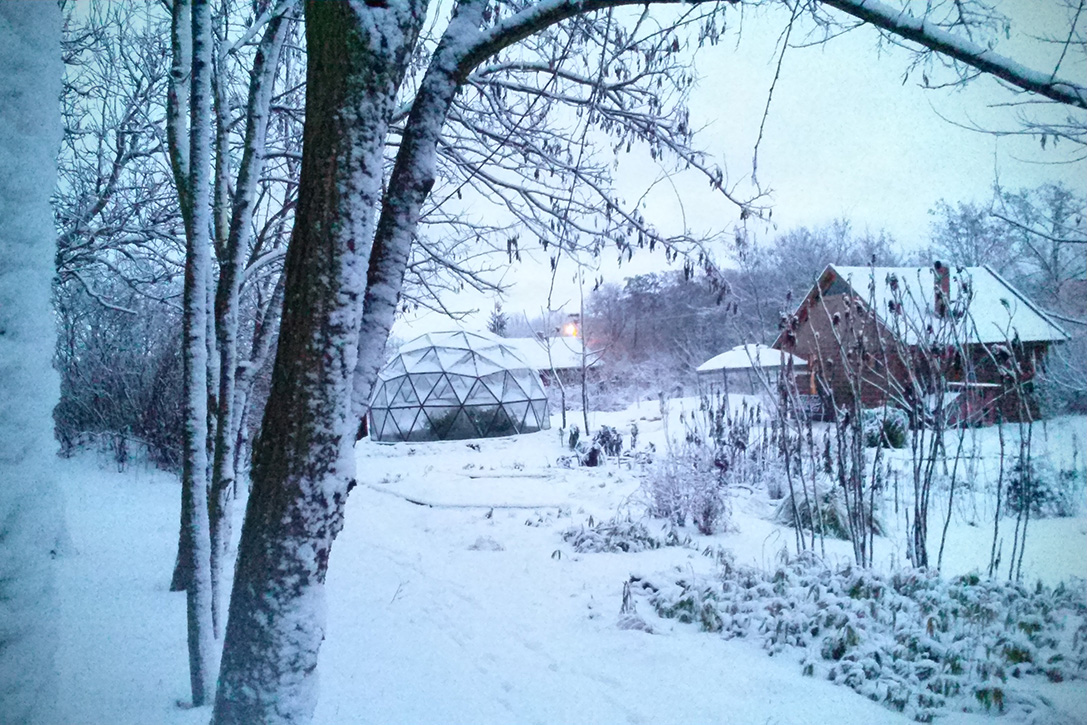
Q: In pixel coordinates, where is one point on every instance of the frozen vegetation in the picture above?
(498, 581)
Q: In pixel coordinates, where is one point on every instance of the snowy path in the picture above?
(454, 635)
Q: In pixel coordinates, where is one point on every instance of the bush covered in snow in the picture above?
(618, 535)
(689, 484)
(1045, 489)
(885, 426)
(828, 515)
(916, 643)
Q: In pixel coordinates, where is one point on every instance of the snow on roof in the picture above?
(565, 352)
(743, 357)
(996, 312)
(467, 353)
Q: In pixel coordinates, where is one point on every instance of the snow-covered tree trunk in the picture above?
(30, 513)
(194, 501)
(177, 138)
(231, 265)
(302, 461)
(409, 185)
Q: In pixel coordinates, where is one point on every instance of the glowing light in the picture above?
(570, 329)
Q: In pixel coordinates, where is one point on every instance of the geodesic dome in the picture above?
(453, 385)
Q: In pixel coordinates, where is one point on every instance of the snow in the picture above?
(997, 312)
(467, 606)
(29, 138)
(746, 357)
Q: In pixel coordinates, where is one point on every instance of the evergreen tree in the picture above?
(497, 323)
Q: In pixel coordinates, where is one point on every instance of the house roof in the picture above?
(903, 299)
(565, 352)
(746, 357)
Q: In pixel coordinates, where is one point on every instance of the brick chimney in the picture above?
(941, 287)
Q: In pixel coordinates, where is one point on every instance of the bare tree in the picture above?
(303, 467)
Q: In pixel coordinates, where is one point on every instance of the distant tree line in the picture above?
(661, 326)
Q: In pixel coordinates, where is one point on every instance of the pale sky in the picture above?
(845, 137)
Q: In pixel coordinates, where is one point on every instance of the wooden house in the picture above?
(959, 340)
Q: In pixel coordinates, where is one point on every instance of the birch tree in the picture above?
(344, 271)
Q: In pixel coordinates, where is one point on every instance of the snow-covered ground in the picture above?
(452, 597)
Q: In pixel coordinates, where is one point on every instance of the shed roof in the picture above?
(565, 352)
(746, 357)
(903, 298)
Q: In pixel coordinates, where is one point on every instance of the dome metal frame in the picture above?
(455, 386)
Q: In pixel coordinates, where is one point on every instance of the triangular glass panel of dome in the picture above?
(426, 361)
(405, 396)
(404, 419)
(516, 410)
(394, 368)
(443, 393)
(377, 423)
(481, 395)
(538, 410)
(411, 358)
(439, 419)
(424, 384)
(462, 386)
(462, 426)
(502, 424)
(379, 399)
(392, 388)
(455, 360)
(487, 366)
(511, 390)
(528, 381)
(494, 383)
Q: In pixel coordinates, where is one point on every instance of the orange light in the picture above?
(570, 329)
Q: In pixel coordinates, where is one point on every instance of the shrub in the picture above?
(1049, 492)
(885, 426)
(609, 440)
(919, 644)
(617, 535)
(688, 485)
(831, 513)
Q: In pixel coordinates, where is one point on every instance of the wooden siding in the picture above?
(841, 339)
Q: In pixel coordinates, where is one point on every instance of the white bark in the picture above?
(30, 512)
(231, 263)
(203, 664)
(409, 185)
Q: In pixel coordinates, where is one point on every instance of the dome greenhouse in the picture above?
(455, 385)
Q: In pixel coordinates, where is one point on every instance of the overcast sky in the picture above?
(845, 138)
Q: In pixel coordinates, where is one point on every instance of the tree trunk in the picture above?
(303, 462)
(227, 295)
(194, 481)
(409, 184)
(30, 510)
(177, 137)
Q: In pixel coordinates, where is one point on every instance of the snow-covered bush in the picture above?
(618, 535)
(1048, 492)
(609, 440)
(829, 515)
(911, 640)
(690, 484)
(885, 426)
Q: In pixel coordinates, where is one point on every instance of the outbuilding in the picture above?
(455, 385)
(750, 369)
